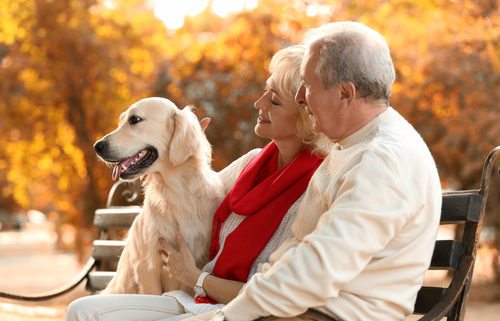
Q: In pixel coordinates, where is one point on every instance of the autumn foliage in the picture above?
(68, 69)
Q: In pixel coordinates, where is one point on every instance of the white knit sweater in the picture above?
(364, 234)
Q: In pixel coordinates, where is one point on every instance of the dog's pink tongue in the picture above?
(123, 166)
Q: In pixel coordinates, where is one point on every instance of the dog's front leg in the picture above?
(123, 282)
(149, 279)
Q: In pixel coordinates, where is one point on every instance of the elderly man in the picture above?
(365, 231)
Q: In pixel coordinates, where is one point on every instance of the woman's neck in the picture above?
(288, 151)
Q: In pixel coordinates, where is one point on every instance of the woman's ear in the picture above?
(185, 142)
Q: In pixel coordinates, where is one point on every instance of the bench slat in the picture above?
(98, 280)
(447, 254)
(116, 217)
(460, 207)
(427, 298)
(107, 249)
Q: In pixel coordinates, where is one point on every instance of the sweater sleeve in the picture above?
(230, 173)
(370, 205)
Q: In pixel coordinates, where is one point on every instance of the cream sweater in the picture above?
(364, 234)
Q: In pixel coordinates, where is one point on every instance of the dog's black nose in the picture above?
(100, 146)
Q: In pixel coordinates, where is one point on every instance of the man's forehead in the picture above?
(306, 61)
(303, 63)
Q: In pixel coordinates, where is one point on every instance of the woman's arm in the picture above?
(220, 289)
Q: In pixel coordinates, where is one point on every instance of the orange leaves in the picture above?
(32, 81)
(15, 17)
(142, 63)
(71, 67)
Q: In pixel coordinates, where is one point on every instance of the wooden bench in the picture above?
(462, 208)
(121, 209)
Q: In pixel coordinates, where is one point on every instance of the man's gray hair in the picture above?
(353, 52)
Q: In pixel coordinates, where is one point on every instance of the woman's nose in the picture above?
(300, 97)
(259, 104)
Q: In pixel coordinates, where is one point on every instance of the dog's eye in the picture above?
(132, 120)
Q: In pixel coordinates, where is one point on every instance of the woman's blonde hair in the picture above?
(286, 80)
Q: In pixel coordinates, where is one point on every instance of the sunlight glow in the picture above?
(318, 10)
(172, 13)
(224, 8)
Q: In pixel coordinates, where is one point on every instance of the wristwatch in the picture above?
(198, 288)
(219, 316)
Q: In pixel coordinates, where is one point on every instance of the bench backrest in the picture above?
(462, 208)
(466, 210)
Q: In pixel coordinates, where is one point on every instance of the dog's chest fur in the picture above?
(177, 204)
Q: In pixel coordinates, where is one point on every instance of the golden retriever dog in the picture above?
(166, 147)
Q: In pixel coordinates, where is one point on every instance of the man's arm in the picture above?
(369, 209)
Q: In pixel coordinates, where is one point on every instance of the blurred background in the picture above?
(69, 68)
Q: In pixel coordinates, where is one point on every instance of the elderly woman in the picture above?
(264, 188)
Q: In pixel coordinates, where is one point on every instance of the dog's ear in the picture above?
(205, 122)
(185, 141)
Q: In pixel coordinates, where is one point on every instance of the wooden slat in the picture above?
(116, 217)
(107, 249)
(98, 280)
(447, 254)
(460, 207)
(427, 297)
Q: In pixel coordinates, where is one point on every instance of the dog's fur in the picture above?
(181, 190)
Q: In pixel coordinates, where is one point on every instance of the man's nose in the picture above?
(300, 97)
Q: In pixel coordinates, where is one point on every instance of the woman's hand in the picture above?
(180, 264)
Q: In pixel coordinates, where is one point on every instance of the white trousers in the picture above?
(125, 307)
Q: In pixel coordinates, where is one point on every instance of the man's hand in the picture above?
(180, 264)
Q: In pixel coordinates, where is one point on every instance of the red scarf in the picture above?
(263, 194)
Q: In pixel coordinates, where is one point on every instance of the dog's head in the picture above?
(150, 131)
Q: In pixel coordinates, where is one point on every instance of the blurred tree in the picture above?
(220, 65)
(68, 68)
(448, 67)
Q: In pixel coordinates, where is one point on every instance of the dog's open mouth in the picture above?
(131, 166)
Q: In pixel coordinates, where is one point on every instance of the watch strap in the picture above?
(199, 284)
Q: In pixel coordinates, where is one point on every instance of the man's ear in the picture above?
(347, 91)
(204, 122)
